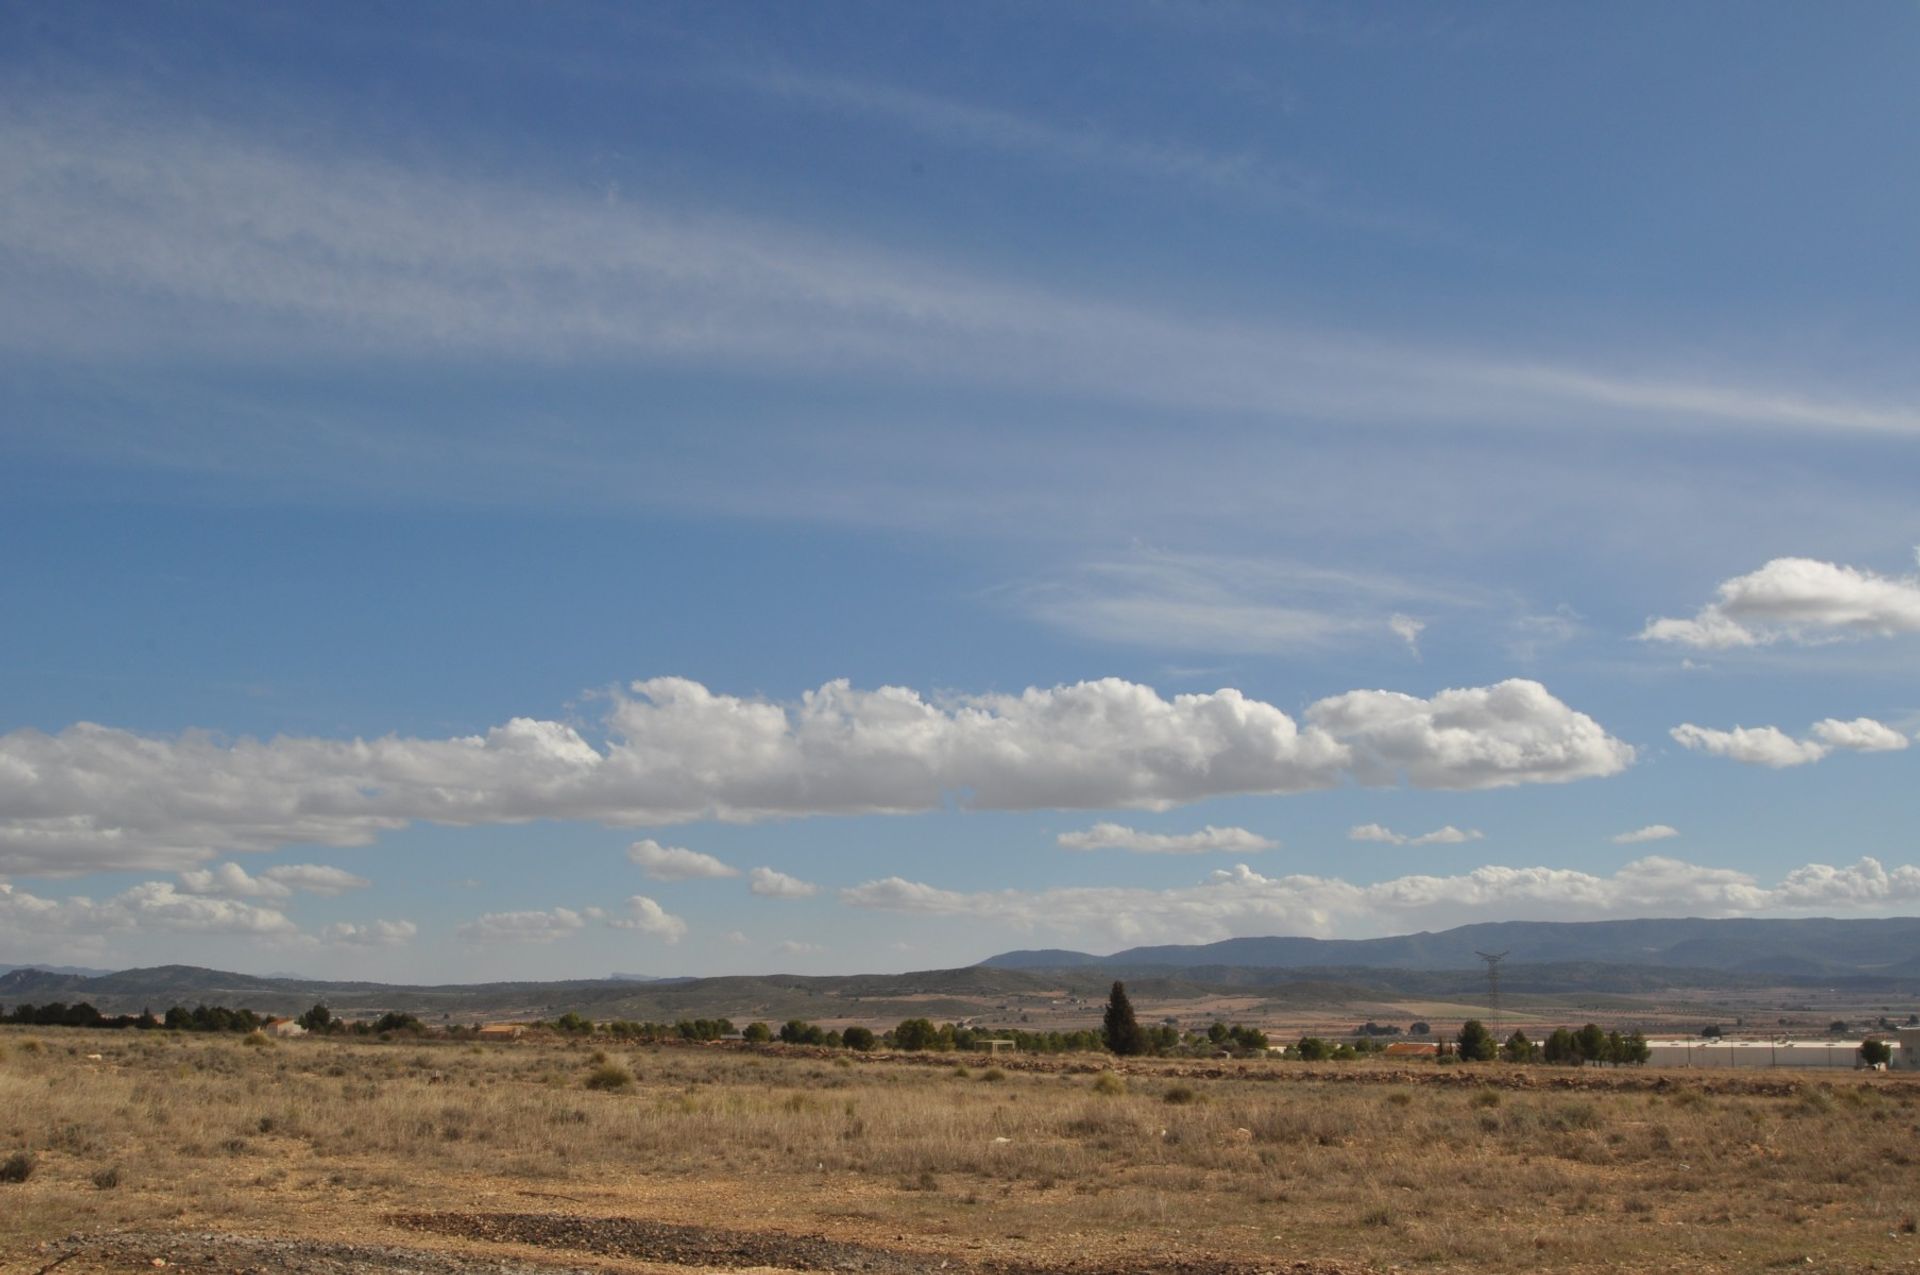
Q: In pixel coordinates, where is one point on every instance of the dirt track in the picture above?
(598, 1239)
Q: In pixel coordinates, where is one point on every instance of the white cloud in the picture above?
(1755, 745)
(523, 927)
(136, 230)
(778, 885)
(1797, 600)
(151, 905)
(316, 878)
(648, 917)
(1447, 836)
(93, 798)
(1514, 732)
(232, 881)
(795, 947)
(1239, 901)
(1113, 836)
(1770, 746)
(671, 863)
(370, 934)
(1862, 734)
(1408, 630)
(1652, 832)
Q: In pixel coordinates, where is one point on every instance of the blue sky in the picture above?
(502, 490)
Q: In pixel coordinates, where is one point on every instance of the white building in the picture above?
(1702, 1051)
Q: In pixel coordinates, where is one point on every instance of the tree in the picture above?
(1875, 1053)
(1591, 1042)
(916, 1034)
(1518, 1048)
(1838, 1027)
(317, 1019)
(1120, 1028)
(1711, 1031)
(1312, 1049)
(1634, 1050)
(757, 1033)
(797, 1031)
(857, 1038)
(1560, 1047)
(1476, 1042)
(1420, 1029)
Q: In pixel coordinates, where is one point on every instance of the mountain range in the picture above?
(1802, 947)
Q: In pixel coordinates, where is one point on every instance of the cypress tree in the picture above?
(1122, 1030)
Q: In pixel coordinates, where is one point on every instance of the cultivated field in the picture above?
(334, 1156)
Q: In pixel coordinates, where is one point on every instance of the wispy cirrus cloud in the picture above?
(144, 232)
(966, 124)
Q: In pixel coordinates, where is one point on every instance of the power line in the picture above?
(1493, 960)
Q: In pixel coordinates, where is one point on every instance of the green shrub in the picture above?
(858, 1038)
(1181, 1095)
(757, 1033)
(1109, 1083)
(993, 1075)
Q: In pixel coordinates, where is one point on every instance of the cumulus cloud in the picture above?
(1114, 836)
(778, 885)
(234, 882)
(524, 927)
(672, 863)
(1514, 732)
(795, 947)
(1652, 832)
(648, 917)
(1447, 836)
(1862, 734)
(1772, 747)
(1240, 901)
(94, 798)
(1797, 600)
(370, 934)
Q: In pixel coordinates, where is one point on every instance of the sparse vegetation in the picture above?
(1375, 1163)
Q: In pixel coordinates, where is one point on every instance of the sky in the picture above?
(523, 491)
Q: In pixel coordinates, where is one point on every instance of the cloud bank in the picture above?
(1239, 901)
(94, 798)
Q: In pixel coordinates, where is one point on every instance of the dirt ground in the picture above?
(324, 1157)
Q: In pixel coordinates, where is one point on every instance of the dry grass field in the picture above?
(452, 1157)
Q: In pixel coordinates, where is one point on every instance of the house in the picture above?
(500, 1031)
(283, 1028)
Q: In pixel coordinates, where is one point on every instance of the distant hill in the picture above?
(1801, 947)
(55, 969)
